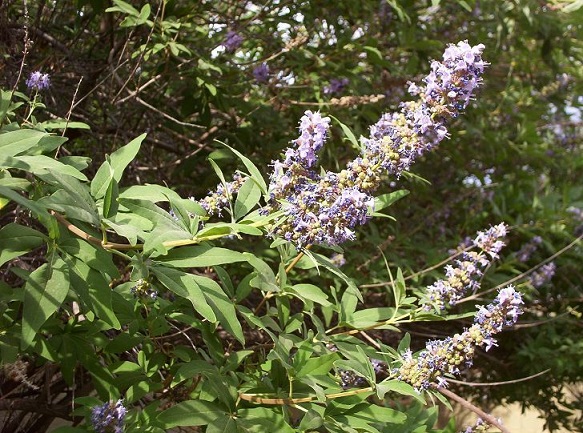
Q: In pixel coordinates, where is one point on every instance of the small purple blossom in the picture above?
(336, 86)
(338, 259)
(38, 81)
(528, 249)
(261, 73)
(109, 417)
(542, 275)
(220, 198)
(480, 426)
(232, 41)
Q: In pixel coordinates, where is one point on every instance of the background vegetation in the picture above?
(195, 74)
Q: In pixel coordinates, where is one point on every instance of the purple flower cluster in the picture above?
(336, 86)
(450, 355)
(349, 379)
(232, 41)
(480, 426)
(324, 208)
(397, 139)
(463, 277)
(143, 289)
(542, 275)
(528, 249)
(221, 197)
(38, 81)
(261, 73)
(109, 417)
(318, 208)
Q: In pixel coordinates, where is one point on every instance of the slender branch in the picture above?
(524, 274)
(35, 406)
(68, 117)
(124, 247)
(289, 268)
(485, 416)
(507, 382)
(258, 398)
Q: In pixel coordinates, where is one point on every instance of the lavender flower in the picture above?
(143, 289)
(221, 196)
(38, 81)
(349, 379)
(325, 208)
(261, 73)
(464, 276)
(232, 41)
(450, 355)
(338, 259)
(480, 426)
(336, 86)
(109, 417)
(528, 249)
(542, 275)
(397, 139)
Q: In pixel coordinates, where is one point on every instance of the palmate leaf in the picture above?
(45, 291)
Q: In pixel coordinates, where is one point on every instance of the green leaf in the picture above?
(156, 240)
(96, 258)
(253, 170)
(348, 133)
(368, 317)
(41, 213)
(39, 165)
(102, 180)
(78, 192)
(16, 240)
(403, 388)
(320, 365)
(62, 124)
(201, 256)
(192, 369)
(190, 413)
(248, 196)
(223, 307)
(121, 6)
(110, 203)
(312, 293)
(93, 290)
(20, 141)
(265, 279)
(383, 201)
(224, 424)
(121, 158)
(186, 286)
(153, 193)
(126, 229)
(261, 420)
(158, 216)
(372, 413)
(45, 290)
